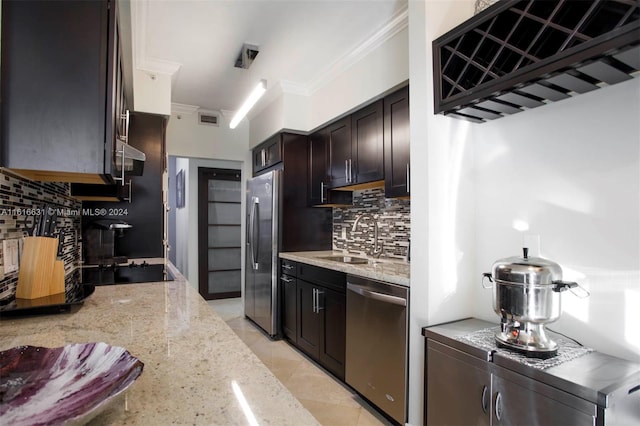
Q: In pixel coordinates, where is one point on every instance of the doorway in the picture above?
(219, 231)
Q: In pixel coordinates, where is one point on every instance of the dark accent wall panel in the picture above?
(145, 212)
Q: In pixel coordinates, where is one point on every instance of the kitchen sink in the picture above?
(346, 259)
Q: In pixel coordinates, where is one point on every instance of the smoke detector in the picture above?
(246, 56)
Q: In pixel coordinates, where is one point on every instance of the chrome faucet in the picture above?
(377, 249)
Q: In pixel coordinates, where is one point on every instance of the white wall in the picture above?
(442, 196)
(181, 248)
(267, 121)
(151, 92)
(571, 170)
(187, 138)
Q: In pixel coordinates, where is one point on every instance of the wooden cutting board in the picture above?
(40, 275)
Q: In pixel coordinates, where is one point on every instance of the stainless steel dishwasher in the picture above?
(376, 343)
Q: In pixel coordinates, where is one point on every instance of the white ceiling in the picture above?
(302, 43)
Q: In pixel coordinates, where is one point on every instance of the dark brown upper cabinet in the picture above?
(397, 176)
(319, 193)
(61, 90)
(267, 154)
(356, 148)
(318, 179)
(521, 54)
(367, 144)
(367, 149)
(340, 152)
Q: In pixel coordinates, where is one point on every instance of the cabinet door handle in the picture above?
(346, 170)
(287, 267)
(315, 301)
(499, 406)
(408, 179)
(285, 279)
(264, 157)
(318, 307)
(322, 199)
(485, 403)
(350, 172)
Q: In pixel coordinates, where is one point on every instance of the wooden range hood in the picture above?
(520, 54)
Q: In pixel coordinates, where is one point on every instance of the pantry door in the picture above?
(219, 237)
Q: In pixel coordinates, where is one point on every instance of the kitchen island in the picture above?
(192, 359)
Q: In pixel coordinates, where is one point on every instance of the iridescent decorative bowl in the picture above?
(67, 385)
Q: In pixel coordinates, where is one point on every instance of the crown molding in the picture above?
(398, 23)
(160, 66)
(177, 108)
(227, 113)
(293, 88)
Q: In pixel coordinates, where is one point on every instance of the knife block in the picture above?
(40, 273)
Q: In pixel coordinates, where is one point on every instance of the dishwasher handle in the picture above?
(387, 298)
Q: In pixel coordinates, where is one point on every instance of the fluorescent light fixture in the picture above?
(249, 103)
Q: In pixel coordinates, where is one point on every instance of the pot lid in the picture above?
(526, 270)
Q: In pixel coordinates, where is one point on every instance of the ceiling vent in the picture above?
(246, 56)
(208, 118)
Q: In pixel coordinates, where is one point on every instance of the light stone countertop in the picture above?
(191, 357)
(388, 270)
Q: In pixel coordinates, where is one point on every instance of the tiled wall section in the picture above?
(394, 224)
(17, 196)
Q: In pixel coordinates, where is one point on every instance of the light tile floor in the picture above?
(327, 399)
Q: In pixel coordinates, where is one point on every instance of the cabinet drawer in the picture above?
(325, 277)
(288, 267)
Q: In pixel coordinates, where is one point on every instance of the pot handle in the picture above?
(560, 286)
(487, 275)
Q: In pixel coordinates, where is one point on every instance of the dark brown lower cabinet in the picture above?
(319, 310)
(308, 321)
(288, 288)
(332, 312)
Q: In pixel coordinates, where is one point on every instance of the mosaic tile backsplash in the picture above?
(394, 224)
(19, 197)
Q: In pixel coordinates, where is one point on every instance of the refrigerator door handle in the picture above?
(250, 232)
(252, 225)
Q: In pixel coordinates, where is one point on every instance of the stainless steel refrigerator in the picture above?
(261, 283)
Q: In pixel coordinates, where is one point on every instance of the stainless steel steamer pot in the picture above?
(527, 289)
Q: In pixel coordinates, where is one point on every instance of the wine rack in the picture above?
(521, 54)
